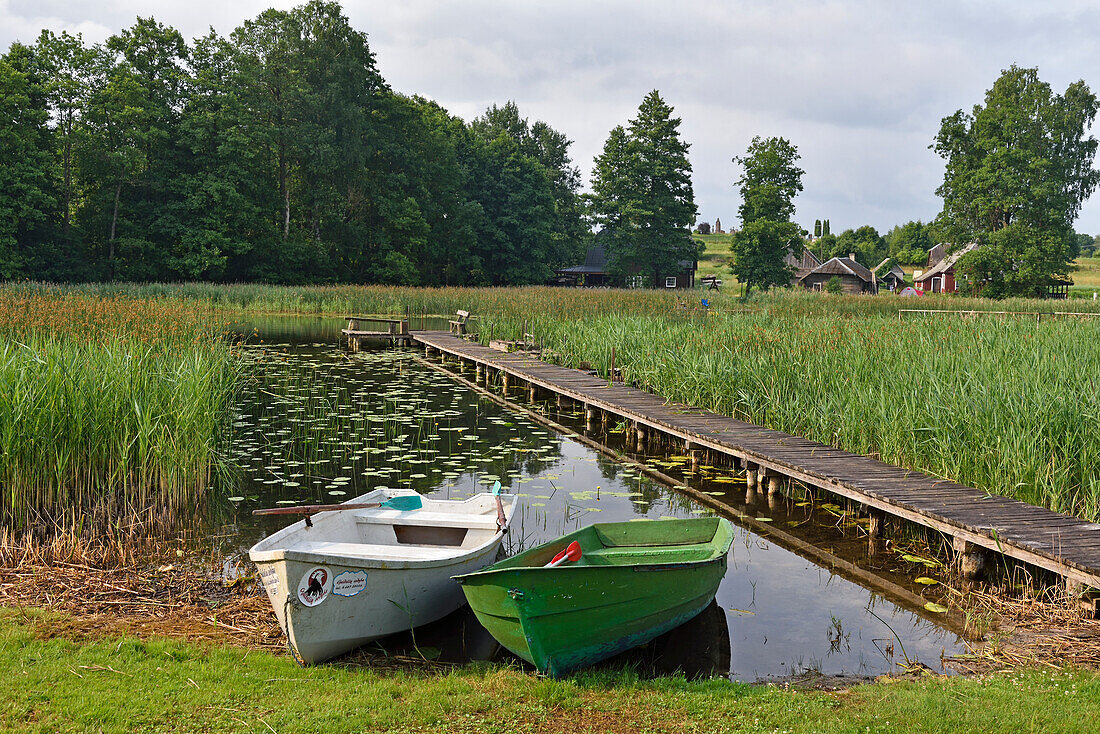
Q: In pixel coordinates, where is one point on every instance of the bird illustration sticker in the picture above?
(315, 586)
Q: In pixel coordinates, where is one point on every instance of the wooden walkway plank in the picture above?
(1060, 543)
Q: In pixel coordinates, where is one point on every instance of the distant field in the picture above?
(715, 260)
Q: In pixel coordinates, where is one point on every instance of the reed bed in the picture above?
(110, 409)
(1005, 404)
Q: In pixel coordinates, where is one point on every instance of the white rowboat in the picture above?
(359, 574)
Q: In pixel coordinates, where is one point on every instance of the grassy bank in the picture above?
(109, 408)
(51, 684)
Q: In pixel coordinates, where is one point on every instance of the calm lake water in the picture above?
(318, 424)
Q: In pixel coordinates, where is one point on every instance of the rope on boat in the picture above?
(290, 645)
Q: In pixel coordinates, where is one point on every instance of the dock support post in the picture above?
(589, 417)
(427, 352)
(875, 525)
(532, 393)
(604, 419)
(773, 484)
(504, 379)
(479, 374)
(353, 344)
(750, 475)
(969, 558)
(640, 435)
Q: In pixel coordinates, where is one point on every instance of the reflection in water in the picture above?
(318, 425)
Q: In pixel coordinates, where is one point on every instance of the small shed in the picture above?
(854, 278)
(893, 278)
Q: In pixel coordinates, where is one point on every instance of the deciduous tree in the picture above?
(1022, 158)
(769, 181)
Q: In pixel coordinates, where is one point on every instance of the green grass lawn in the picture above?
(128, 685)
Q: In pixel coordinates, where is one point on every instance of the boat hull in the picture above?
(567, 618)
(357, 575)
(391, 601)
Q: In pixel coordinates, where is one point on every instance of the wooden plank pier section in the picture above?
(397, 332)
(976, 521)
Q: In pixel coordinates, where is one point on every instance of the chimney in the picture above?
(852, 256)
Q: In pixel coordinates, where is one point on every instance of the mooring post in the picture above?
(970, 559)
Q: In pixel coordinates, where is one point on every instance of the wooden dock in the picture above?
(396, 332)
(976, 521)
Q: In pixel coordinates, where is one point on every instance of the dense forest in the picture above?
(276, 154)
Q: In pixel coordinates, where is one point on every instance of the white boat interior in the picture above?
(441, 530)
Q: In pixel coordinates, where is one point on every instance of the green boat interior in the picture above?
(631, 544)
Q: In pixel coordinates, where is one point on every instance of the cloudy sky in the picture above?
(859, 87)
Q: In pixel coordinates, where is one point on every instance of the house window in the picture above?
(670, 281)
(633, 281)
(817, 286)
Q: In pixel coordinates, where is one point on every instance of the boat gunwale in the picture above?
(289, 554)
(721, 551)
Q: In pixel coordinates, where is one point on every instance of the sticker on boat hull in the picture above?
(315, 586)
(349, 583)
(270, 579)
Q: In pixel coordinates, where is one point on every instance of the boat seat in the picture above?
(367, 551)
(436, 519)
(617, 554)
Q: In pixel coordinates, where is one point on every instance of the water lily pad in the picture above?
(925, 580)
(934, 607)
(235, 499)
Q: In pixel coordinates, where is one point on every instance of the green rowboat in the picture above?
(633, 582)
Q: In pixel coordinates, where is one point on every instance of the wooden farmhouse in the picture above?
(594, 273)
(939, 273)
(854, 278)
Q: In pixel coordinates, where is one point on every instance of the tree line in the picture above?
(275, 154)
(279, 154)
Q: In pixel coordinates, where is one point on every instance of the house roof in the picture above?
(935, 255)
(595, 262)
(947, 263)
(895, 270)
(842, 266)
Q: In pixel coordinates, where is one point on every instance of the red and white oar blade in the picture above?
(571, 554)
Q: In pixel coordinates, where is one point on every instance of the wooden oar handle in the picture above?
(311, 509)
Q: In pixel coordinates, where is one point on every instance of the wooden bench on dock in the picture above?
(392, 331)
(458, 325)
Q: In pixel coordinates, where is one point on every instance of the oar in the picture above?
(402, 502)
(571, 554)
(502, 522)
